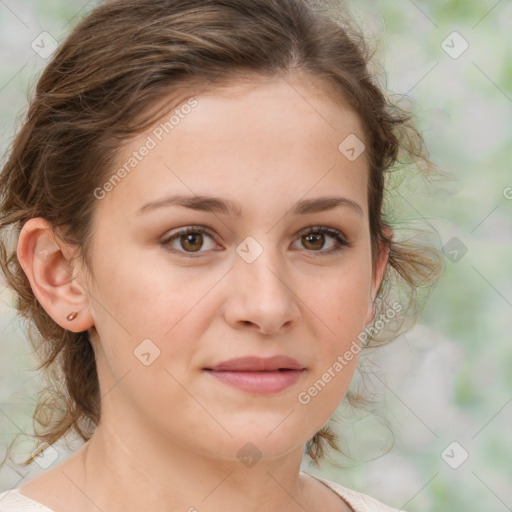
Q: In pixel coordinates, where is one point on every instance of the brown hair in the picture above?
(96, 93)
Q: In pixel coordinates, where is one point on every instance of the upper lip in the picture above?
(254, 364)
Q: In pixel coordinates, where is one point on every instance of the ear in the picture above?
(48, 264)
(378, 275)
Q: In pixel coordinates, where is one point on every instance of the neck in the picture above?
(126, 471)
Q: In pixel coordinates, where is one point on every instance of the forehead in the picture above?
(244, 139)
(290, 96)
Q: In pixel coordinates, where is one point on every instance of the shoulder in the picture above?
(359, 502)
(13, 501)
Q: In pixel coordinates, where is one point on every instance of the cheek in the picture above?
(144, 296)
(154, 309)
(342, 301)
(340, 306)
(142, 319)
(342, 311)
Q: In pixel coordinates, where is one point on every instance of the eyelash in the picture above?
(337, 235)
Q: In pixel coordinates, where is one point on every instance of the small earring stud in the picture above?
(72, 316)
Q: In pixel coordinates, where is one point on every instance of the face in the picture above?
(264, 270)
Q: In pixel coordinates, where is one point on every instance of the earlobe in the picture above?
(49, 268)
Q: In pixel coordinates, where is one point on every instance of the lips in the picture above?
(258, 376)
(258, 364)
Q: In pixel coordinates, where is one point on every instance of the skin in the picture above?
(169, 434)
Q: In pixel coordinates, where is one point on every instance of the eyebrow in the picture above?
(225, 206)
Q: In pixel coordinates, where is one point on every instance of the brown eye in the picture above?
(313, 241)
(316, 238)
(191, 241)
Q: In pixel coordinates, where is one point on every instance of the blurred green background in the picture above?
(447, 384)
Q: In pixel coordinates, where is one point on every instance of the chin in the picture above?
(262, 441)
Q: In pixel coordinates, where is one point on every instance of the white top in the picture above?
(13, 501)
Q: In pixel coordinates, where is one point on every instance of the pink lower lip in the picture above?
(262, 383)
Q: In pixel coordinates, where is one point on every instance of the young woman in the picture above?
(196, 197)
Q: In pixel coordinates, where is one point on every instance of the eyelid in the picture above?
(322, 229)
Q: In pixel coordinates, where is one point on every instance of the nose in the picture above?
(261, 297)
